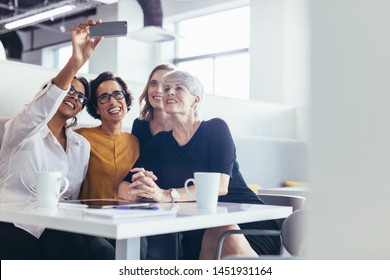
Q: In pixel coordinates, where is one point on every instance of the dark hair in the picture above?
(146, 110)
(85, 83)
(87, 94)
(94, 84)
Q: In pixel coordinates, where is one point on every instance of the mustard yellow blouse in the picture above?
(112, 156)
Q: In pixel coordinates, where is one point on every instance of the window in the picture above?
(61, 57)
(57, 57)
(215, 48)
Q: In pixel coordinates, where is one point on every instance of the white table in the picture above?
(128, 232)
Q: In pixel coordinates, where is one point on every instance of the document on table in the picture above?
(99, 203)
(128, 213)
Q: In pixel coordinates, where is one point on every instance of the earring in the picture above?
(74, 121)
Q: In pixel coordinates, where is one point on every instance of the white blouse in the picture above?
(29, 146)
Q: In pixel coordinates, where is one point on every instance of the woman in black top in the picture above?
(195, 146)
(152, 120)
(152, 117)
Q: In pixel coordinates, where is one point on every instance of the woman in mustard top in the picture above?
(113, 151)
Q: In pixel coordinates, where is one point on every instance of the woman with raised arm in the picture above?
(40, 138)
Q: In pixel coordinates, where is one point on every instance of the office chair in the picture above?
(292, 234)
(296, 202)
(290, 228)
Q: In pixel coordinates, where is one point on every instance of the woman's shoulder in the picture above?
(129, 136)
(215, 123)
(79, 138)
(83, 130)
(140, 127)
(86, 130)
(140, 122)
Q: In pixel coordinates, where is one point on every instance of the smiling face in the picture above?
(114, 110)
(70, 105)
(155, 90)
(177, 99)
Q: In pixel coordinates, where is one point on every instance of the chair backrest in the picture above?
(296, 202)
(3, 120)
(293, 232)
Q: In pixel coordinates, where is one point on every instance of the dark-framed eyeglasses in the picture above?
(105, 97)
(80, 97)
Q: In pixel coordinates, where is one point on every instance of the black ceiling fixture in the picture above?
(152, 10)
(11, 10)
(12, 45)
(153, 32)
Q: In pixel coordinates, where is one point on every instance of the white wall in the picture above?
(266, 80)
(252, 117)
(350, 130)
(280, 51)
(129, 58)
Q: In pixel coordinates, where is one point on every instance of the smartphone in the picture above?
(109, 29)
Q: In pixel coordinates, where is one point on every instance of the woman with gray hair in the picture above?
(195, 146)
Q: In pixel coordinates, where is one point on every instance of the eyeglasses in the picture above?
(80, 97)
(105, 97)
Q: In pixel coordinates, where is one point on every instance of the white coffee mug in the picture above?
(206, 189)
(48, 185)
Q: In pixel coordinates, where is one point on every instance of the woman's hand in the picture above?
(143, 185)
(82, 48)
(83, 44)
(141, 172)
(124, 193)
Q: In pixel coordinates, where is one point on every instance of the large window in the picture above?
(62, 55)
(215, 48)
(58, 56)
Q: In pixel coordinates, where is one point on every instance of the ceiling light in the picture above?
(153, 34)
(39, 17)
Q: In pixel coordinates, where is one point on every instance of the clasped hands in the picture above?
(143, 186)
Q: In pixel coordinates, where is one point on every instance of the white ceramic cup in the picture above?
(48, 185)
(206, 189)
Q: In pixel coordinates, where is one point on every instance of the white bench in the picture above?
(269, 162)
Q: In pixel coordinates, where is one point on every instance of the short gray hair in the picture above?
(194, 85)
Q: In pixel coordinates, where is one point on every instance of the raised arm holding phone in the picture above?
(40, 138)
